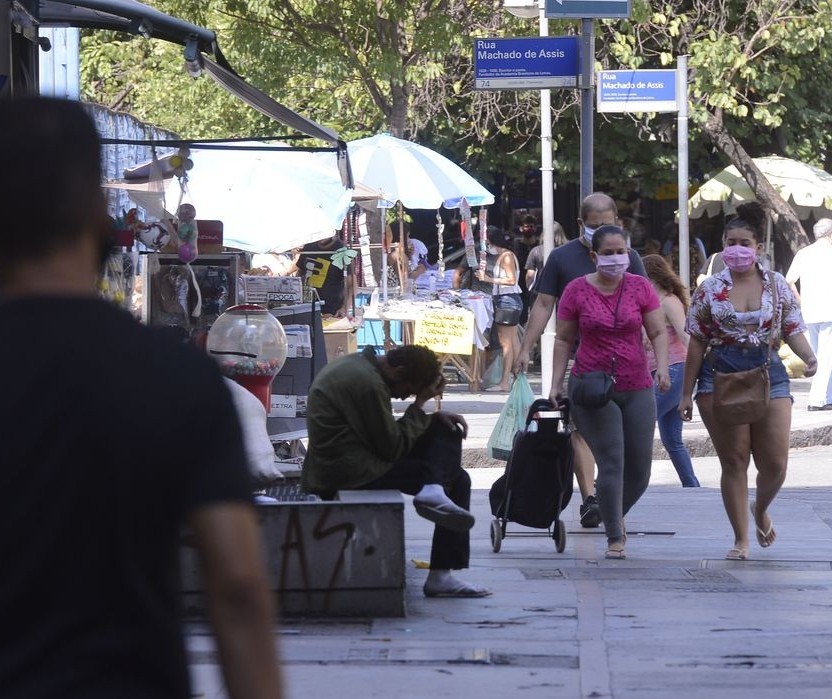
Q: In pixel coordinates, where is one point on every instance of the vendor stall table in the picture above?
(449, 312)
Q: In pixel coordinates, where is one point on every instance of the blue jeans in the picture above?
(670, 426)
(820, 339)
(730, 358)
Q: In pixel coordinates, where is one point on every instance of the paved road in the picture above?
(673, 621)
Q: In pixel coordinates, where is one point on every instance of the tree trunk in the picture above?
(787, 225)
(399, 103)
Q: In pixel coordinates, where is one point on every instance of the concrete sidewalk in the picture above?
(674, 620)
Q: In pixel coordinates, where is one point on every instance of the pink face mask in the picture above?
(612, 265)
(738, 258)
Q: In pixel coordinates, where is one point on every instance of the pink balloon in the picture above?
(187, 253)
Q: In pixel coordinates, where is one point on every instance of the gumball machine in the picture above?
(250, 345)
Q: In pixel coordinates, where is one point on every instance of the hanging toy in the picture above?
(482, 225)
(154, 235)
(186, 227)
(181, 162)
(187, 233)
(466, 229)
(440, 241)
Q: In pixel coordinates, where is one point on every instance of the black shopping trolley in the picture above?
(537, 484)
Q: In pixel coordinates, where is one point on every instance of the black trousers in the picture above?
(436, 457)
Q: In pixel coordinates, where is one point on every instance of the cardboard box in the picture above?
(339, 342)
(272, 292)
(209, 239)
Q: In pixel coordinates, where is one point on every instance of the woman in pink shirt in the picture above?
(607, 310)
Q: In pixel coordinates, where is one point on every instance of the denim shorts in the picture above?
(730, 358)
(508, 301)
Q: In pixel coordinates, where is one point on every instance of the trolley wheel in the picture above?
(559, 535)
(496, 535)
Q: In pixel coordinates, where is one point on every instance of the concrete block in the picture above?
(337, 558)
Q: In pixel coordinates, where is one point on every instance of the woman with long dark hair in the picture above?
(674, 306)
(504, 277)
(735, 315)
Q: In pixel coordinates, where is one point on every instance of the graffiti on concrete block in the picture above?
(294, 546)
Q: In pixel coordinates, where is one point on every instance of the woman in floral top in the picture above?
(731, 318)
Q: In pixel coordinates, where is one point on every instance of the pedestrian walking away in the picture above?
(674, 305)
(736, 316)
(566, 263)
(812, 269)
(506, 298)
(605, 312)
(92, 509)
(525, 239)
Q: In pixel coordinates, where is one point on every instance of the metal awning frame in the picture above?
(201, 50)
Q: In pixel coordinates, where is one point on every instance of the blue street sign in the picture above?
(587, 9)
(533, 63)
(636, 91)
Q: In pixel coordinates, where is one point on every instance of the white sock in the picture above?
(439, 577)
(446, 581)
(432, 491)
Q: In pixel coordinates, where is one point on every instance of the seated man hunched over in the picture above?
(355, 442)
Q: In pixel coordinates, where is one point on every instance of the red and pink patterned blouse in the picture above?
(712, 317)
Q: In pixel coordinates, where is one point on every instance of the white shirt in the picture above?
(419, 251)
(812, 265)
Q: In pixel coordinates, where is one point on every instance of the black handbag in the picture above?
(506, 316)
(593, 389)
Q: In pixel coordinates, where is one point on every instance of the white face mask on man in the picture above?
(588, 233)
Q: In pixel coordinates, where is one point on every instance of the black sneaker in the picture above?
(590, 512)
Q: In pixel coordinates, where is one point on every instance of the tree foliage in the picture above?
(759, 80)
(757, 69)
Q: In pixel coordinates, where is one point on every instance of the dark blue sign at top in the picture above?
(530, 63)
(601, 9)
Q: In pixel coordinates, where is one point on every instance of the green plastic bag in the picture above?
(494, 373)
(512, 419)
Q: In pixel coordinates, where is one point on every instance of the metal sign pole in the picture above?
(587, 106)
(682, 146)
(547, 200)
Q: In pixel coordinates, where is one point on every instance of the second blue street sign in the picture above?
(531, 63)
(587, 9)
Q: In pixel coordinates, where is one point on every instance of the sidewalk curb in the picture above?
(698, 446)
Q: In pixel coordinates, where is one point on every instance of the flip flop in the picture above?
(736, 554)
(762, 536)
(461, 590)
(445, 514)
(615, 552)
(495, 389)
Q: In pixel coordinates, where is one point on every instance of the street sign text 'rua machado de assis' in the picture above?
(528, 63)
(636, 90)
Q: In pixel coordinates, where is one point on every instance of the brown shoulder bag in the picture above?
(741, 397)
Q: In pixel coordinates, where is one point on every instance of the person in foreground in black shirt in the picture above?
(91, 504)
